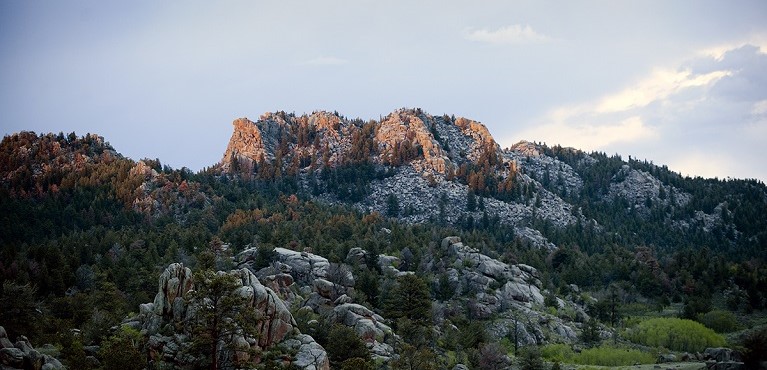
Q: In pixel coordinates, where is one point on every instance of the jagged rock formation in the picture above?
(172, 310)
(510, 295)
(22, 355)
(429, 164)
(432, 161)
(311, 289)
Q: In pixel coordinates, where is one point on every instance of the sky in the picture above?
(679, 83)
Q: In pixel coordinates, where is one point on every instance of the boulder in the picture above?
(325, 288)
(309, 354)
(664, 358)
(380, 351)
(4, 341)
(282, 284)
(174, 282)
(52, 364)
(356, 256)
(342, 299)
(494, 269)
(520, 292)
(368, 325)
(34, 360)
(305, 267)
(12, 357)
(721, 354)
(276, 321)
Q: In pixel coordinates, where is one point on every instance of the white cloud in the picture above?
(693, 117)
(659, 86)
(592, 136)
(513, 34)
(325, 61)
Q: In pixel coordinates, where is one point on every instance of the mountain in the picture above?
(420, 168)
(412, 241)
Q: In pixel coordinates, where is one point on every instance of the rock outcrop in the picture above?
(508, 295)
(22, 355)
(172, 311)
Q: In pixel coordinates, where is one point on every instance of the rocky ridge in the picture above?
(430, 164)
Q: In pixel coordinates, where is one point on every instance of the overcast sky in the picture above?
(681, 83)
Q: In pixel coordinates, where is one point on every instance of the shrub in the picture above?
(343, 345)
(600, 356)
(720, 321)
(530, 359)
(557, 352)
(613, 356)
(676, 334)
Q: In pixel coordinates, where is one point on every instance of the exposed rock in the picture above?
(356, 256)
(274, 324)
(402, 125)
(13, 357)
(721, 354)
(309, 354)
(369, 327)
(521, 292)
(520, 282)
(304, 267)
(23, 355)
(325, 288)
(282, 284)
(52, 364)
(246, 143)
(664, 358)
(174, 282)
(4, 341)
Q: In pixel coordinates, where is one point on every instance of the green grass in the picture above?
(600, 356)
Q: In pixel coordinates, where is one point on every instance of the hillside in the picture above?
(423, 168)
(412, 241)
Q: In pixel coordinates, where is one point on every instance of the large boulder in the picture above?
(721, 354)
(356, 256)
(4, 341)
(174, 283)
(305, 267)
(12, 357)
(276, 321)
(368, 325)
(309, 354)
(521, 292)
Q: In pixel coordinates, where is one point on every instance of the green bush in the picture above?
(557, 352)
(599, 356)
(613, 356)
(720, 321)
(676, 334)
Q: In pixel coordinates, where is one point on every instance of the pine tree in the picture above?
(220, 313)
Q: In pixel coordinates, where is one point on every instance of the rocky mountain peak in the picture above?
(430, 144)
(526, 148)
(404, 130)
(246, 142)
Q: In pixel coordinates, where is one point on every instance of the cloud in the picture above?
(593, 136)
(706, 116)
(659, 86)
(513, 34)
(325, 61)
